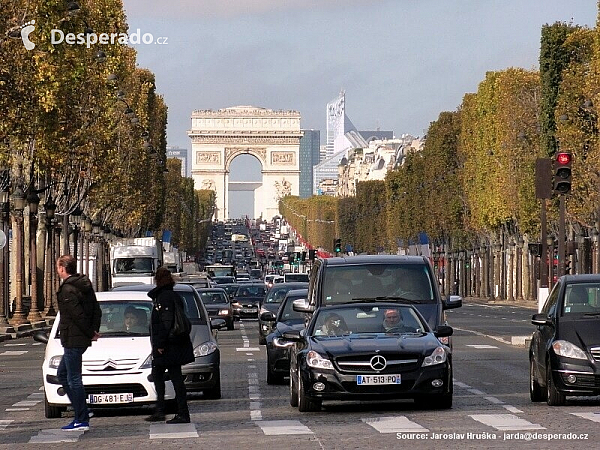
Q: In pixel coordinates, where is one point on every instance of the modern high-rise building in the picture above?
(182, 154)
(309, 157)
(338, 124)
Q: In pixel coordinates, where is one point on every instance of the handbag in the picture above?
(181, 324)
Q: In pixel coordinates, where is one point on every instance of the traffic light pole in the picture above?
(546, 256)
(562, 238)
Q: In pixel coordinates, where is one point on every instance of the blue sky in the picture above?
(400, 62)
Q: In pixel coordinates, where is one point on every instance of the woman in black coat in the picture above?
(168, 352)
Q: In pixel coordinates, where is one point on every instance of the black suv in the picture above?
(386, 278)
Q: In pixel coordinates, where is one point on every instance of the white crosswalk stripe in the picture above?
(506, 422)
(283, 427)
(5, 423)
(55, 436)
(593, 416)
(173, 431)
(13, 353)
(395, 424)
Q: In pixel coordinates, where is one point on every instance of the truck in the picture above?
(135, 262)
(173, 260)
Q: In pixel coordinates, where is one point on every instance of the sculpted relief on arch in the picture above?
(232, 152)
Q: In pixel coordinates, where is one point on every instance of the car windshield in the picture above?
(134, 265)
(287, 312)
(359, 320)
(213, 297)
(190, 305)
(276, 294)
(125, 318)
(250, 291)
(582, 298)
(343, 284)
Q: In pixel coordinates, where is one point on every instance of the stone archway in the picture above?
(271, 136)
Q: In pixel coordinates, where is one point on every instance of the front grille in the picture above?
(361, 363)
(119, 365)
(137, 389)
(595, 351)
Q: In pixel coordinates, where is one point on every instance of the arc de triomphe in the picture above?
(273, 137)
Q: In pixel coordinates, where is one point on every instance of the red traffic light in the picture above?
(563, 158)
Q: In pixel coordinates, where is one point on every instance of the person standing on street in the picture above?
(168, 352)
(80, 317)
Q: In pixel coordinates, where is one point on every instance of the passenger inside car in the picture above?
(135, 320)
(333, 325)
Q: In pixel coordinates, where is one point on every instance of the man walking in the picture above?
(79, 324)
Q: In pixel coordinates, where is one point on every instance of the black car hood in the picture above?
(215, 306)
(583, 331)
(289, 325)
(273, 307)
(371, 342)
(247, 299)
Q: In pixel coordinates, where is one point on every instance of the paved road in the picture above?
(491, 403)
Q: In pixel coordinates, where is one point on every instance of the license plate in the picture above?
(106, 399)
(250, 310)
(377, 379)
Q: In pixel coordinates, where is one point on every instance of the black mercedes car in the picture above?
(564, 355)
(278, 350)
(350, 352)
(271, 303)
(217, 304)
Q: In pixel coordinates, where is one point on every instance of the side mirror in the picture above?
(293, 335)
(40, 336)
(443, 331)
(267, 316)
(301, 305)
(453, 301)
(541, 319)
(218, 324)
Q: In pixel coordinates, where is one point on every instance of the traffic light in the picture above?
(311, 254)
(567, 266)
(337, 245)
(562, 173)
(303, 256)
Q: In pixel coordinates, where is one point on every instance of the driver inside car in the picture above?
(392, 321)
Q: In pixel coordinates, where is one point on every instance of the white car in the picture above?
(117, 367)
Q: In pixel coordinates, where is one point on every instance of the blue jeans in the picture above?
(69, 375)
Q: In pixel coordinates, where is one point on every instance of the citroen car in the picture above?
(348, 353)
(564, 355)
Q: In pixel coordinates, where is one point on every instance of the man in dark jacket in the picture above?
(80, 317)
(168, 352)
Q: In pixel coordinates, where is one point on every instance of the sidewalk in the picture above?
(10, 332)
(531, 304)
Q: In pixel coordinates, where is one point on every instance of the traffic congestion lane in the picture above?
(252, 413)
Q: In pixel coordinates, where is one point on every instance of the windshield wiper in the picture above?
(122, 333)
(592, 314)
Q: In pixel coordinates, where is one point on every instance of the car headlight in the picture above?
(54, 361)
(437, 357)
(279, 342)
(224, 312)
(568, 350)
(313, 359)
(205, 349)
(148, 363)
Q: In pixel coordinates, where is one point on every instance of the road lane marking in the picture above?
(481, 346)
(506, 422)
(395, 424)
(476, 392)
(247, 349)
(26, 403)
(173, 431)
(494, 400)
(5, 423)
(55, 436)
(512, 409)
(14, 345)
(281, 427)
(461, 385)
(593, 416)
(16, 409)
(13, 353)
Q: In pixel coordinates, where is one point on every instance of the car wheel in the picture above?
(555, 398)
(262, 340)
(305, 403)
(214, 393)
(442, 401)
(293, 391)
(536, 392)
(51, 411)
(272, 377)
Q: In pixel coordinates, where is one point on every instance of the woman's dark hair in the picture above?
(163, 277)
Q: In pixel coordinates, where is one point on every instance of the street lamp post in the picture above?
(18, 202)
(76, 218)
(87, 228)
(50, 208)
(33, 200)
(3, 252)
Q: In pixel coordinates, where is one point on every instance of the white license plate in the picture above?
(377, 379)
(107, 399)
(250, 310)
